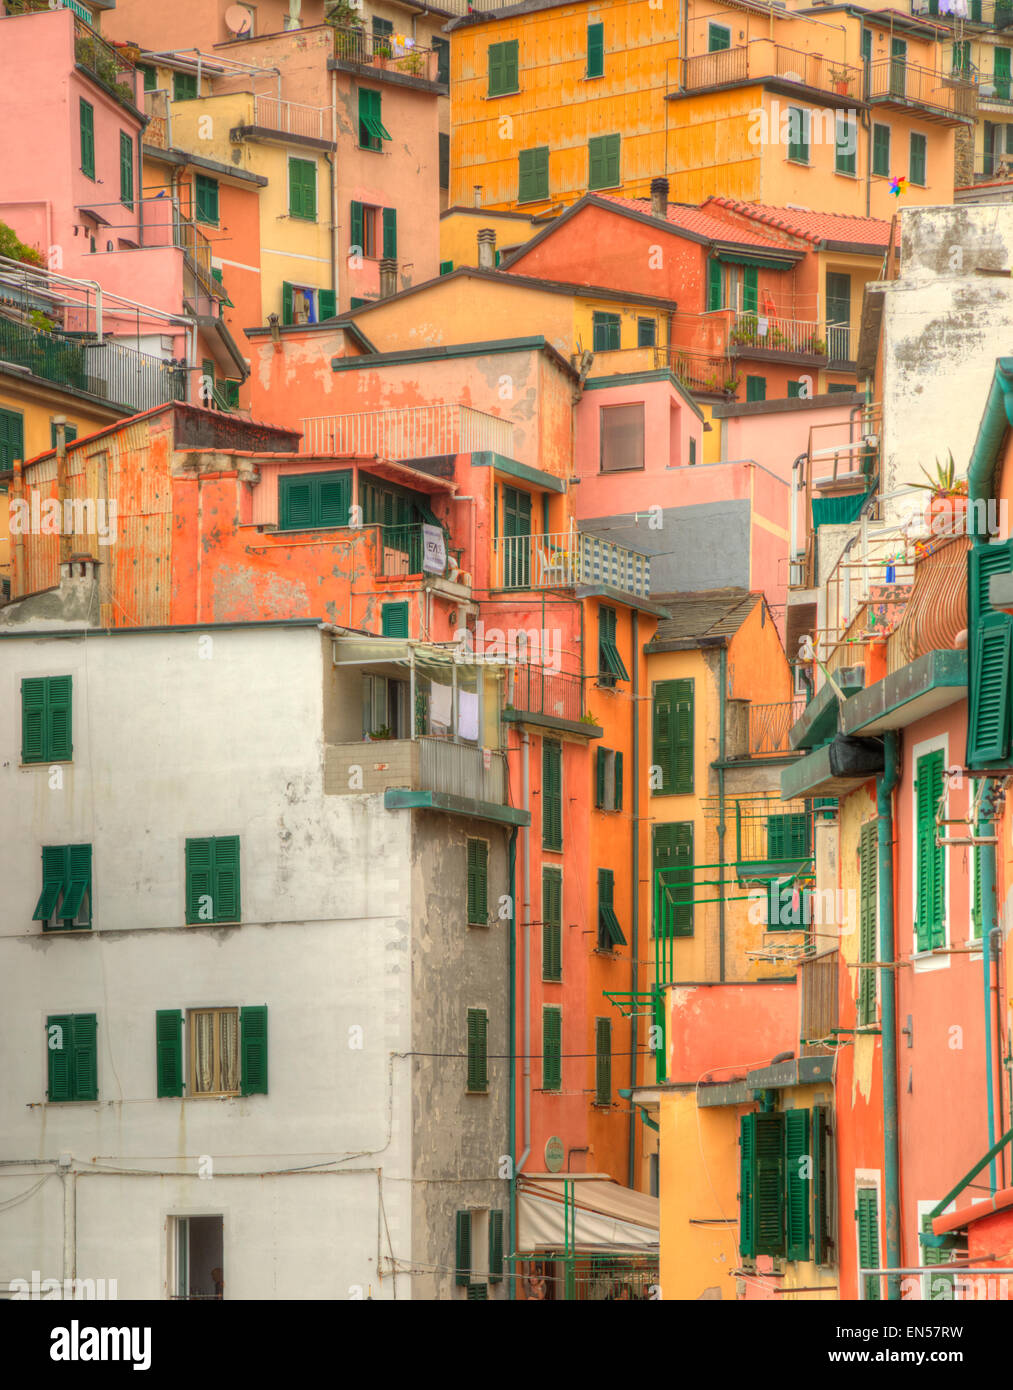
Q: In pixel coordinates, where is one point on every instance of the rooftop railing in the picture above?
(425, 431)
(106, 65)
(393, 52)
(763, 59)
(896, 82)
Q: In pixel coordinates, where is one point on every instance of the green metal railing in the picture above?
(48, 355)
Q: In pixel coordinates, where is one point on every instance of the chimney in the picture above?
(477, 191)
(59, 423)
(388, 277)
(659, 198)
(487, 249)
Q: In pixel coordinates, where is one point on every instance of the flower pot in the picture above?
(948, 514)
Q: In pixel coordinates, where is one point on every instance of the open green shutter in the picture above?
(59, 691)
(750, 293)
(770, 1185)
(78, 882)
(328, 304)
(495, 1247)
(295, 503)
(462, 1250)
(169, 1051)
(286, 302)
(126, 170)
(85, 1057)
(394, 619)
(54, 875)
(225, 861)
(253, 1049)
(798, 1160)
(390, 233)
(60, 1056)
(714, 289)
(617, 796)
(930, 863)
(989, 722)
(87, 138)
(821, 1185)
(333, 498)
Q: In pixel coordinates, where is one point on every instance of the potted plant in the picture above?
(948, 500)
(731, 385)
(379, 735)
(839, 80)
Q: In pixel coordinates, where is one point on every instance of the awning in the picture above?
(606, 1216)
(837, 511)
(762, 262)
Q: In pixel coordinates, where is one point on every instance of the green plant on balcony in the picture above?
(413, 63)
(775, 338)
(41, 321)
(91, 53)
(382, 734)
(340, 14)
(15, 249)
(731, 384)
(945, 483)
(817, 346)
(745, 330)
(588, 718)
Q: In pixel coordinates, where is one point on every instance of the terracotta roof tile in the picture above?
(811, 226)
(694, 220)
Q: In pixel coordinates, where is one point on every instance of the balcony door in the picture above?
(898, 67)
(516, 538)
(838, 317)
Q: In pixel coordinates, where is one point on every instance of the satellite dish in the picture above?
(238, 20)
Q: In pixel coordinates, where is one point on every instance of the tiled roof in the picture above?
(812, 226)
(709, 613)
(693, 220)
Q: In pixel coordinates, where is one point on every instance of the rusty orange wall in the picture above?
(725, 1029)
(758, 669)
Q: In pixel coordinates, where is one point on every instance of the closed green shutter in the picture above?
(225, 851)
(126, 170)
(846, 145)
(881, 151)
(390, 233)
(941, 1287)
(533, 174)
(78, 884)
(84, 1064)
(930, 864)
(394, 619)
(478, 1026)
(603, 1061)
(552, 1049)
(822, 1214)
(504, 71)
(673, 892)
(606, 332)
(600, 760)
(478, 888)
(798, 134)
(788, 837)
(442, 47)
(333, 496)
(328, 304)
(867, 897)
(206, 198)
(756, 388)
(253, 1049)
(715, 292)
(603, 161)
(770, 1183)
(462, 1250)
(443, 159)
(60, 1056)
(1001, 73)
(314, 499)
(199, 869)
(797, 1177)
(552, 924)
(302, 189)
(595, 50)
(184, 86)
(867, 1215)
(169, 1051)
(33, 719)
(58, 718)
(212, 879)
(747, 1186)
(495, 1247)
(69, 434)
(750, 289)
(446, 267)
(356, 223)
(87, 112)
(12, 437)
(673, 734)
(46, 719)
(719, 37)
(916, 159)
(552, 794)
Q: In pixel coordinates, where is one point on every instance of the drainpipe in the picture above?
(526, 929)
(986, 867)
(334, 227)
(635, 873)
(511, 1051)
(885, 784)
(723, 676)
(796, 469)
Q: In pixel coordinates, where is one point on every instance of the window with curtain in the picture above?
(214, 1051)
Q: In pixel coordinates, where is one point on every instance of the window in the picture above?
(206, 199)
(126, 170)
(212, 879)
(227, 1051)
(867, 904)
(442, 47)
(372, 131)
(65, 903)
(478, 1063)
(72, 1053)
(364, 229)
(866, 45)
(314, 499)
(184, 86)
(150, 76)
(798, 134)
(881, 151)
(610, 663)
(622, 437)
(395, 619)
(672, 754)
(504, 75)
(756, 388)
(789, 838)
(533, 174)
(867, 1217)
(1001, 73)
(605, 331)
(382, 27)
(462, 1249)
(794, 390)
(552, 794)
(495, 1247)
(990, 640)
(718, 38)
(230, 392)
(552, 1048)
(12, 437)
(595, 50)
(775, 1200)
(46, 719)
(608, 779)
(478, 880)
(214, 1052)
(673, 879)
(930, 880)
(196, 1247)
(647, 333)
(385, 706)
(603, 161)
(962, 59)
(69, 434)
(87, 139)
(444, 144)
(846, 145)
(302, 189)
(446, 267)
(603, 1061)
(916, 161)
(390, 233)
(552, 924)
(610, 933)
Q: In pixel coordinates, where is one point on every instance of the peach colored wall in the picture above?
(721, 1030)
(776, 440)
(193, 23)
(669, 423)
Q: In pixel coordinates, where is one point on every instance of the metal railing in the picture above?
(769, 726)
(997, 14)
(458, 769)
(894, 81)
(777, 334)
(394, 52)
(993, 167)
(761, 58)
(566, 559)
(16, 7)
(817, 986)
(291, 117)
(401, 550)
(697, 371)
(48, 355)
(534, 690)
(106, 65)
(132, 378)
(196, 249)
(425, 431)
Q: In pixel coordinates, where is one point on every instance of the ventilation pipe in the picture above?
(659, 198)
(487, 249)
(388, 277)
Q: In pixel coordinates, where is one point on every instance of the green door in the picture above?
(516, 538)
(898, 67)
(838, 317)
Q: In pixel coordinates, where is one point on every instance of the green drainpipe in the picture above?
(885, 785)
(986, 868)
(635, 865)
(512, 1064)
(723, 666)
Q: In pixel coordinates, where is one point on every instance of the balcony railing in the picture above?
(997, 14)
(291, 118)
(535, 690)
(817, 982)
(769, 726)
(393, 52)
(425, 431)
(401, 552)
(566, 559)
(779, 334)
(16, 7)
(697, 371)
(896, 82)
(421, 764)
(993, 168)
(763, 59)
(47, 355)
(109, 68)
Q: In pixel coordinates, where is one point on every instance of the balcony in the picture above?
(291, 118)
(818, 1013)
(417, 432)
(531, 689)
(401, 552)
(762, 60)
(768, 334)
(995, 14)
(698, 371)
(108, 67)
(419, 765)
(566, 559)
(393, 53)
(899, 85)
(770, 725)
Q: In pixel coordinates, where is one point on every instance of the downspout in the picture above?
(511, 1054)
(723, 676)
(986, 868)
(635, 874)
(334, 228)
(885, 784)
(525, 928)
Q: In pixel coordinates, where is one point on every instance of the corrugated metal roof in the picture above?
(707, 614)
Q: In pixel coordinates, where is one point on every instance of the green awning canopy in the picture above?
(763, 262)
(837, 511)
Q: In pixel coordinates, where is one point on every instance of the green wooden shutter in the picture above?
(478, 885)
(59, 691)
(60, 1058)
(462, 1249)
(756, 388)
(328, 304)
(126, 170)
(715, 294)
(225, 862)
(33, 719)
(84, 1065)
(12, 437)
(747, 1186)
(87, 113)
(199, 880)
(552, 923)
(295, 503)
(989, 632)
(846, 145)
(916, 159)
(478, 1027)
(286, 301)
(617, 775)
(394, 619)
(69, 434)
(603, 161)
(253, 1049)
(533, 174)
(446, 267)
(750, 289)
(504, 71)
(595, 50)
(603, 1061)
(600, 760)
(940, 1286)
(495, 1247)
(78, 882)
(977, 906)
(552, 794)
(169, 1051)
(333, 498)
(822, 1216)
(867, 1215)
(770, 1184)
(442, 47)
(788, 837)
(1001, 72)
(719, 37)
(930, 864)
(511, 65)
(881, 151)
(206, 198)
(867, 895)
(552, 1049)
(302, 188)
(673, 896)
(797, 1158)
(390, 233)
(798, 134)
(54, 878)
(673, 736)
(356, 221)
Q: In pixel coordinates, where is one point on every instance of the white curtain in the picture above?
(230, 1051)
(203, 1052)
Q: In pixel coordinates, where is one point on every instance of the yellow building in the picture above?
(459, 228)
